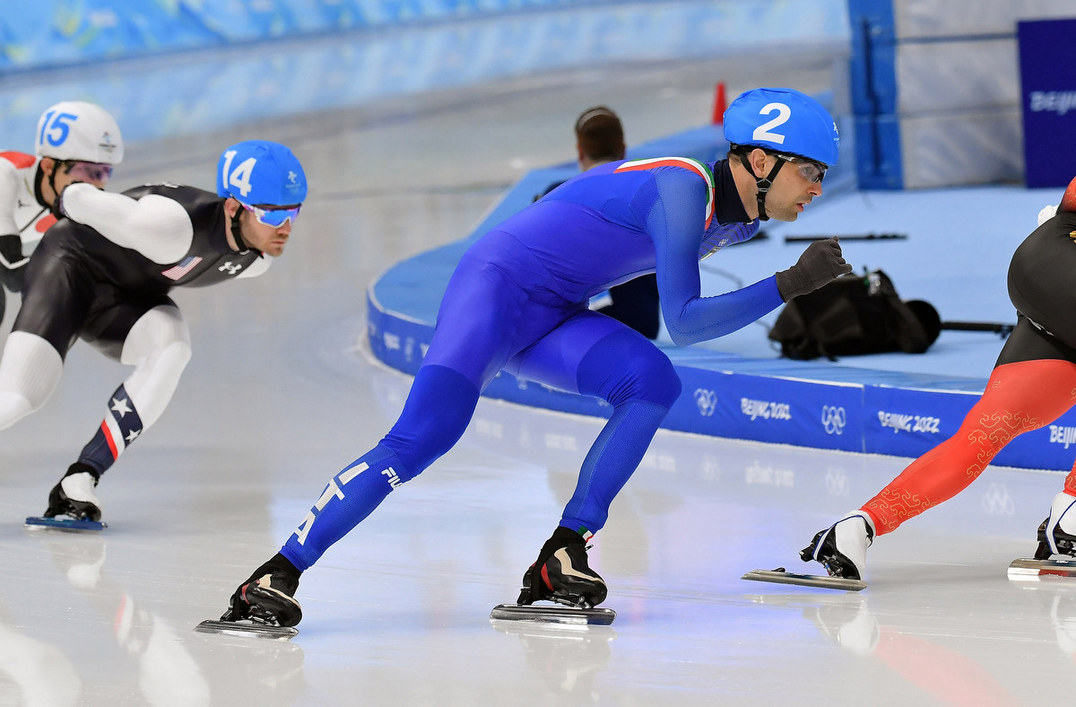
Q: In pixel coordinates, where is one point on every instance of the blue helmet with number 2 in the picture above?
(261, 173)
(783, 120)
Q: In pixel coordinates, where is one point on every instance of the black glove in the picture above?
(819, 264)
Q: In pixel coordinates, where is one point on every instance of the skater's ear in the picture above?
(231, 207)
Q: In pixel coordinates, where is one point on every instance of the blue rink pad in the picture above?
(776, 400)
(68, 524)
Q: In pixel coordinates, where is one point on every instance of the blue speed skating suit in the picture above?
(518, 302)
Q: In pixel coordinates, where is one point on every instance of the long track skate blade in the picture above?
(1028, 570)
(68, 524)
(553, 614)
(247, 629)
(780, 576)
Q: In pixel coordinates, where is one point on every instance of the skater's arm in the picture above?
(676, 222)
(9, 189)
(155, 226)
(11, 257)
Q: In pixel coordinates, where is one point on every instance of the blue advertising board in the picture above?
(1048, 100)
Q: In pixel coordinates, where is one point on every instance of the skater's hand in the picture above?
(819, 264)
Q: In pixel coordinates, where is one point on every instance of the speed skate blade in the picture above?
(247, 629)
(69, 524)
(1028, 570)
(780, 576)
(553, 614)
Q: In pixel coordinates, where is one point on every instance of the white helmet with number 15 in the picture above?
(76, 131)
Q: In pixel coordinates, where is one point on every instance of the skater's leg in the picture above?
(1019, 397)
(484, 315)
(158, 346)
(480, 315)
(156, 342)
(437, 411)
(640, 388)
(29, 373)
(434, 417)
(55, 303)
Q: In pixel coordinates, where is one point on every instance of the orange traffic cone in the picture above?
(719, 103)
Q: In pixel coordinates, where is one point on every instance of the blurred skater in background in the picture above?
(599, 138)
(103, 275)
(75, 142)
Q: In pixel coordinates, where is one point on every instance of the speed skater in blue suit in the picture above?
(517, 302)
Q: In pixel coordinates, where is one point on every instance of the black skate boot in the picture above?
(561, 574)
(74, 496)
(1057, 534)
(268, 596)
(842, 547)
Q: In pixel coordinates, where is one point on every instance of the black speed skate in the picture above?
(73, 506)
(264, 606)
(1057, 534)
(1055, 556)
(268, 599)
(842, 547)
(563, 574)
(74, 497)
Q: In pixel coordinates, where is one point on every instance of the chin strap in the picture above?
(763, 184)
(54, 207)
(237, 232)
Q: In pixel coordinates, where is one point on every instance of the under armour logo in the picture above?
(706, 400)
(232, 269)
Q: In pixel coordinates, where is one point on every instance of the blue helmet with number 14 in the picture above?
(261, 173)
(783, 120)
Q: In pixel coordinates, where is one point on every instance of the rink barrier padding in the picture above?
(772, 401)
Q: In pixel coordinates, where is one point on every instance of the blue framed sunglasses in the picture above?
(274, 216)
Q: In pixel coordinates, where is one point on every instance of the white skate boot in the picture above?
(842, 548)
(1057, 534)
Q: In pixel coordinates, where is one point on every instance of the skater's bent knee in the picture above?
(652, 379)
(13, 407)
(624, 366)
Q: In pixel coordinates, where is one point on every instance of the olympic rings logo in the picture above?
(834, 419)
(706, 400)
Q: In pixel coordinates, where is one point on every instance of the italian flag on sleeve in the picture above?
(687, 163)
